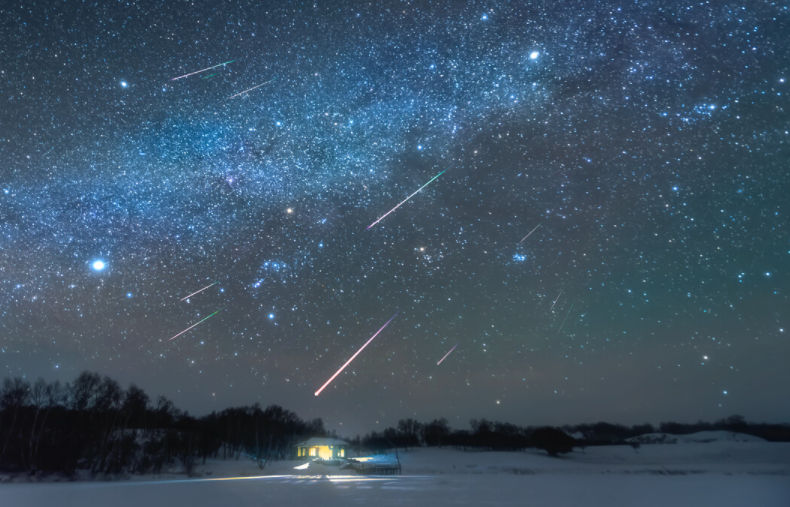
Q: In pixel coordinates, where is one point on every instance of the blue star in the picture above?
(124, 84)
(534, 55)
(271, 316)
(98, 265)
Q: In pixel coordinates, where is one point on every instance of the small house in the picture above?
(324, 448)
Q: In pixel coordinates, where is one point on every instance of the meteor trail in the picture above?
(530, 232)
(355, 355)
(201, 290)
(193, 325)
(555, 301)
(254, 87)
(406, 199)
(445, 356)
(566, 317)
(199, 71)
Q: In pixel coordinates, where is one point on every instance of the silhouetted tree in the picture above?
(553, 440)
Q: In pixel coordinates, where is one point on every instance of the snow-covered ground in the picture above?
(721, 473)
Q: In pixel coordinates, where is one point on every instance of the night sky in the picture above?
(649, 141)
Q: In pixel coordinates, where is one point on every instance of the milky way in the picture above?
(649, 139)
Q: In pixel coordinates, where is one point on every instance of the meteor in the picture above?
(199, 71)
(254, 87)
(566, 317)
(399, 205)
(201, 290)
(193, 325)
(530, 232)
(355, 355)
(445, 356)
(555, 301)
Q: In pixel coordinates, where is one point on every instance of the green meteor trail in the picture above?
(406, 199)
(193, 325)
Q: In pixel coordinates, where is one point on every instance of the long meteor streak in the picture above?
(530, 232)
(445, 356)
(355, 355)
(406, 199)
(193, 325)
(555, 301)
(254, 87)
(199, 71)
(566, 317)
(201, 290)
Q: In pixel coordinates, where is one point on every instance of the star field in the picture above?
(650, 141)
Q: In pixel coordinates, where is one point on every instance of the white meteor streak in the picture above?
(406, 199)
(566, 317)
(199, 71)
(445, 356)
(530, 232)
(555, 301)
(201, 290)
(254, 87)
(355, 355)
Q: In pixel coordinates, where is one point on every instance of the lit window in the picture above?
(312, 451)
(342, 453)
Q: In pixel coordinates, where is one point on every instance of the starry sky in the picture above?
(648, 142)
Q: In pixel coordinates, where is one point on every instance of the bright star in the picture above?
(271, 315)
(534, 55)
(124, 84)
(99, 265)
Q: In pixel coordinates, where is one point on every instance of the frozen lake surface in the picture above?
(472, 490)
(721, 473)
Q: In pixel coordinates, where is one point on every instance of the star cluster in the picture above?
(650, 141)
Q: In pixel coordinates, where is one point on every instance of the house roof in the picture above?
(312, 442)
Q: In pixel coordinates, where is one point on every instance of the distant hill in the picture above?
(695, 438)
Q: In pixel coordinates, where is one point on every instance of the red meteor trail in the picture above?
(254, 87)
(193, 325)
(204, 70)
(555, 301)
(201, 290)
(406, 199)
(530, 232)
(355, 355)
(445, 356)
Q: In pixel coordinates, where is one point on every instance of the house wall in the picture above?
(322, 451)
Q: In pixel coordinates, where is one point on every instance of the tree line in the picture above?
(93, 424)
(485, 435)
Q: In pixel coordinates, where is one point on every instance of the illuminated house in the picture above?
(324, 448)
